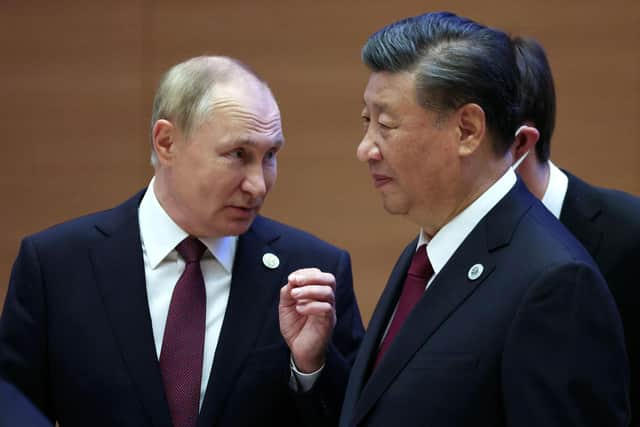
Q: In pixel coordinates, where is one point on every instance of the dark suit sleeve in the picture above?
(564, 360)
(17, 410)
(23, 339)
(321, 405)
(623, 282)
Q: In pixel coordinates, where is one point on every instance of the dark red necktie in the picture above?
(414, 286)
(183, 342)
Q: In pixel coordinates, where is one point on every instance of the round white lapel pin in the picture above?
(475, 271)
(270, 260)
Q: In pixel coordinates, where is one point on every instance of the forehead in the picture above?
(252, 97)
(387, 91)
(247, 111)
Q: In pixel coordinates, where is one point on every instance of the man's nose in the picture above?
(368, 149)
(254, 183)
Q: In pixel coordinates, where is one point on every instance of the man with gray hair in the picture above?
(494, 315)
(167, 309)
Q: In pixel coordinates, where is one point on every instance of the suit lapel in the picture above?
(449, 289)
(254, 288)
(375, 329)
(119, 271)
(445, 294)
(579, 213)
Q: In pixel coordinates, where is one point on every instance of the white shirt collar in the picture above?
(556, 190)
(447, 240)
(160, 234)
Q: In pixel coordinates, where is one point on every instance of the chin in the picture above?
(237, 228)
(394, 207)
(228, 228)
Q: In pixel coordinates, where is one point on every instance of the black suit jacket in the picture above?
(17, 411)
(535, 341)
(76, 336)
(607, 223)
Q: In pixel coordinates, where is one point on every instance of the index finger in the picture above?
(311, 276)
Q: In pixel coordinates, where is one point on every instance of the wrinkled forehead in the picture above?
(246, 96)
(247, 112)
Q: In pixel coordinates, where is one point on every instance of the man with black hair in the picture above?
(606, 222)
(494, 315)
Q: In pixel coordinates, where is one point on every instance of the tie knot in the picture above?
(191, 249)
(420, 265)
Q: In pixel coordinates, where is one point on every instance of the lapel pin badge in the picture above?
(475, 272)
(270, 260)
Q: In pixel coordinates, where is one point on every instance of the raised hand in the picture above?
(307, 316)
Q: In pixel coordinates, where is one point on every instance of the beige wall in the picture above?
(77, 79)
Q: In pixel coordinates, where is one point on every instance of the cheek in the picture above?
(421, 166)
(215, 182)
(270, 173)
(411, 162)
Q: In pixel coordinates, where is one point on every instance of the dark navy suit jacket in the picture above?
(607, 223)
(17, 411)
(76, 336)
(535, 341)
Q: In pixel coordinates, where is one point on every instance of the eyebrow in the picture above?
(277, 142)
(378, 105)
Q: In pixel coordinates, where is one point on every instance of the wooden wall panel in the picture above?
(77, 80)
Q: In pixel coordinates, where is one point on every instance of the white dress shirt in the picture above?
(556, 190)
(163, 266)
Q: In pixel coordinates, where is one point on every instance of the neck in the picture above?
(474, 186)
(535, 175)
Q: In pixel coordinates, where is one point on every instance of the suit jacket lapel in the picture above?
(254, 291)
(579, 213)
(376, 328)
(119, 271)
(445, 294)
(450, 288)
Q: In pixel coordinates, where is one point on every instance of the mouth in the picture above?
(380, 180)
(244, 211)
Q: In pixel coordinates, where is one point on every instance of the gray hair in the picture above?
(455, 61)
(185, 95)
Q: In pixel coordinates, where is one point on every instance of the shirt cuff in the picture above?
(299, 381)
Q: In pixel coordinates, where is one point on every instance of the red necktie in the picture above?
(183, 342)
(419, 273)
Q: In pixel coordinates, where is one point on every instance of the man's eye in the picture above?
(238, 154)
(271, 155)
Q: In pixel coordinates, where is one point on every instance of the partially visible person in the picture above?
(17, 411)
(163, 311)
(606, 222)
(494, 315)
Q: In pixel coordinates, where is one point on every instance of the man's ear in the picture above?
(526, 138)
(471, 122)
(164, 135)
